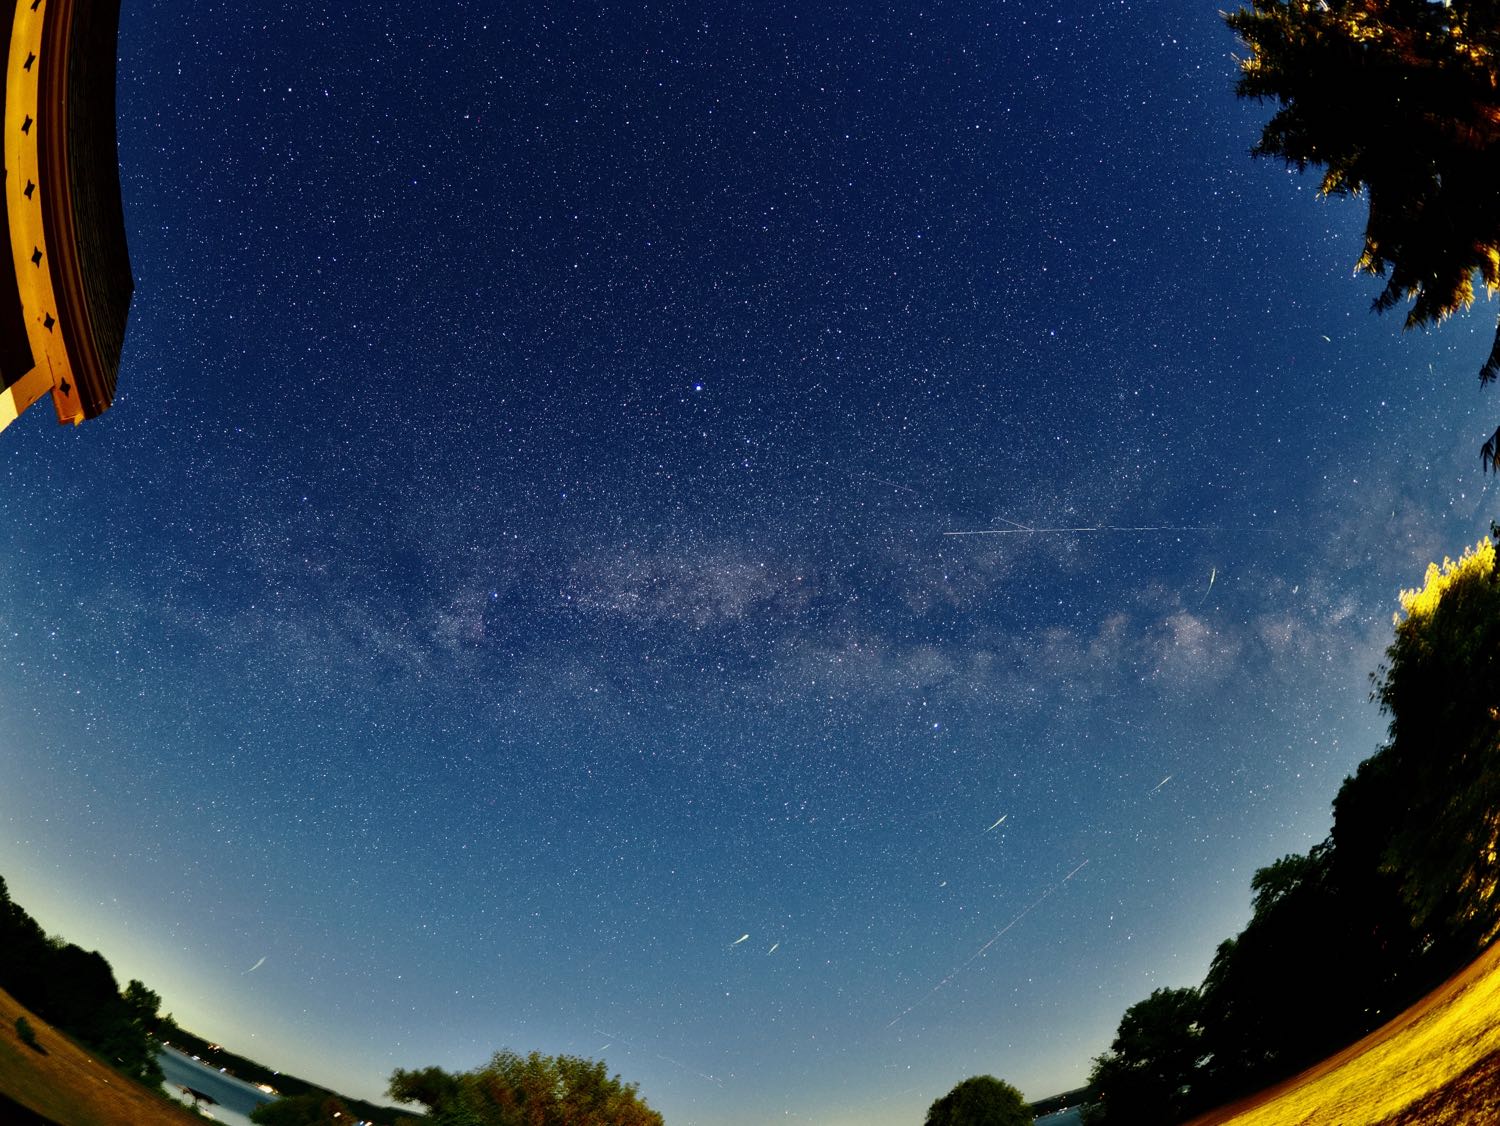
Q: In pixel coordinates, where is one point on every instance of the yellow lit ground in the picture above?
(1437, 1064)
(69, 1086)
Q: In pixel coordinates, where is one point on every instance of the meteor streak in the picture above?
(1212, 575)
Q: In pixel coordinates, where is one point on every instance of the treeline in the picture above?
(512, 1089)
(1401, 894)
(75, 990)
(288, 1086)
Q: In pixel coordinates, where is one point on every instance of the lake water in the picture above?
(234, 1098)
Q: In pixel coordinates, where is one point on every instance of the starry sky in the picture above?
(513, 600)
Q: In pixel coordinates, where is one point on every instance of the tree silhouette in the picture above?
(1441, 688)
(533, 1090)
(1149, 1072)
(75, 990)
(1311, 972)
(1397, 100)
(1403, 893)
(980, 1101)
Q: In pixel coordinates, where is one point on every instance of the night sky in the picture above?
(517, 565)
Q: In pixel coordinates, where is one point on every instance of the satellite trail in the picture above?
(996, 937)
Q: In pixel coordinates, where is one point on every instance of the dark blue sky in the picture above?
(515, 566)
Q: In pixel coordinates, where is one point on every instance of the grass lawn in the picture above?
(1437, 1064)
(68, 1086)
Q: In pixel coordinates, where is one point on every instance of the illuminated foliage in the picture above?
(1441, 688)
(1398, 100)
(533, 1090)
(1420, 603)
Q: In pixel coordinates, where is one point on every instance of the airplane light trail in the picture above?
(1018, 531)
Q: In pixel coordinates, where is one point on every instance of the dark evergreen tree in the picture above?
(25, 953)
(1398, 100)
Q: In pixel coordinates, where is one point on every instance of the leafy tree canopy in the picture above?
(1312, 971)
(1441, 766)
(1398, 100)
(1149, 1071)
(980, 1101)
(534, 1090)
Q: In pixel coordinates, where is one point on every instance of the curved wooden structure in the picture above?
(66, 294)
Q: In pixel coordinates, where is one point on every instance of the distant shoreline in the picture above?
(228, 1092)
